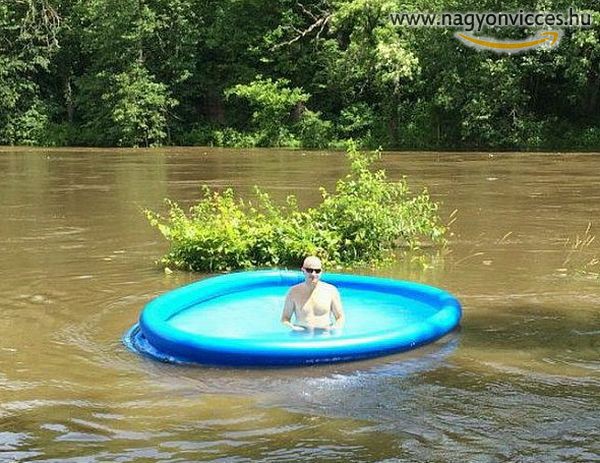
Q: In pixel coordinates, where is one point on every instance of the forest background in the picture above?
(279, 73)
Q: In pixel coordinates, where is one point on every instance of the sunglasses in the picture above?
(312, 270)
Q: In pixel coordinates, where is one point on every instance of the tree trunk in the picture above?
(69, 100)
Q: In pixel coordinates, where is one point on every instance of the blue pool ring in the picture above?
(234, 319)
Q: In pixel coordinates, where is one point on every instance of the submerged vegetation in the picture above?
(362, 221)
(582, 258)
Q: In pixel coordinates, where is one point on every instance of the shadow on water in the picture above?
(537, 337)
(267, 382)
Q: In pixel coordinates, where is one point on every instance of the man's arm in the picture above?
(336, 308)
(288, 311)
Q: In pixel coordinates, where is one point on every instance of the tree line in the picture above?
(289, 73)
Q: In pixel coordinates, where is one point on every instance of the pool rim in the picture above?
(176, 345)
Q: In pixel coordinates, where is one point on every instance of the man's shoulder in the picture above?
(295, 289)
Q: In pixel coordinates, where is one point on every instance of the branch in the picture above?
(307, 12)
(320, 23)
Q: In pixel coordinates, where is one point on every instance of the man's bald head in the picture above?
(312, 262)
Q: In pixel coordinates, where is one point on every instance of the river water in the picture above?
(519, 382)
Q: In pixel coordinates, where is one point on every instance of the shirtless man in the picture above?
(313, 301)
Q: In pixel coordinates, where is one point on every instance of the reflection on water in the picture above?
(519, 382)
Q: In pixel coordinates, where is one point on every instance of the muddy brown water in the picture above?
(518, 382)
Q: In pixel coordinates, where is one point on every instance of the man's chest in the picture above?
(316, 303)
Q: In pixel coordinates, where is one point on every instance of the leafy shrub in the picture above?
(231, 138)
(272, 102)
(566, 136)
(56, 134)
(314, 132)
(139, 108)
(25, 127)
(589, 139)
(356, 121)
(363, 221)
(279, 118)
(125, 109)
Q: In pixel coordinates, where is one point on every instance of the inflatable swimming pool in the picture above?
(234, 319)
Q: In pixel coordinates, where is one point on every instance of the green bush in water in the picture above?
(362, 222)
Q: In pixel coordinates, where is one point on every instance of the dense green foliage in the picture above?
(288, 73)
(363, 221)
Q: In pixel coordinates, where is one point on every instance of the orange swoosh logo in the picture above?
(549, 37)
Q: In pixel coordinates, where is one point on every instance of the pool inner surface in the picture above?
(256, 313)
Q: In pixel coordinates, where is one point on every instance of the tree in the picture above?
(28, 30)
